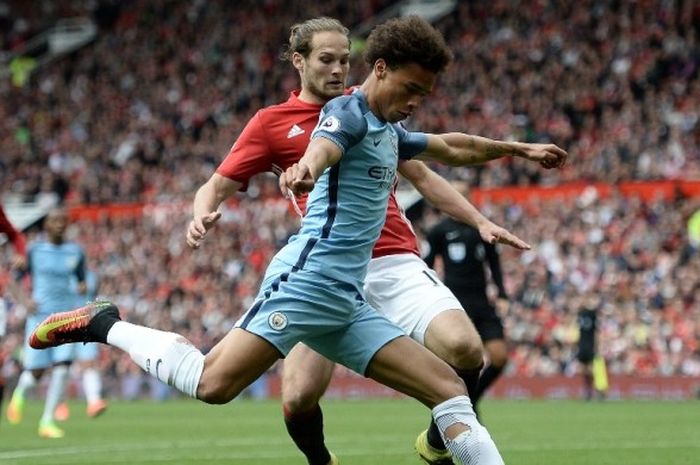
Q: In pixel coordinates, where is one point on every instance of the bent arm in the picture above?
(320, 154)
(212, 193)
(440, 193)
(301, 177)
(204, 207)
(443, 196)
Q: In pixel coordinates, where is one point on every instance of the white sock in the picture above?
(473, 447)
(54, 394)
(167, 356)
(92, 385)
(26, 381)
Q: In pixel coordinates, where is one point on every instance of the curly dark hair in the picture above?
(406, 40)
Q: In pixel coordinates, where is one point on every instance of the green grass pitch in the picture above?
(360, 432)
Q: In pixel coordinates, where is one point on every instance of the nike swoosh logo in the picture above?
(376, 142)
(42, 332)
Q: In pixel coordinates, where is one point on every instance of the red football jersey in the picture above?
(276, 138)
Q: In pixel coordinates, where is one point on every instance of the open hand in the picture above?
(199, 226)
(494, 234)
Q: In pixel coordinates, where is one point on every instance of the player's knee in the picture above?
(499, 360)
(498, 355)
(450, 387)
(300, 398)
(214, 391)
(465, 353)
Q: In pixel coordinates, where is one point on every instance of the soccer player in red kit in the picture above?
(19, 243)
(398, 282)
(15, 237)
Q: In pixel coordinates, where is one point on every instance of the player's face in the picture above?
(400, 91)
(325, 70)
(56, 224)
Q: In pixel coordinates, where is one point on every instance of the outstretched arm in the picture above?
(447, 199)
(301, 177)
(206, 201)
(457, 149)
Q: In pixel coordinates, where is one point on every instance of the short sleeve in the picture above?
(342, 123)
(250, 154)
(410, 143)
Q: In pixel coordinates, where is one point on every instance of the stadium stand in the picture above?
(143, 115)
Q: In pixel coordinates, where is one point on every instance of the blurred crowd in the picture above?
(149, 108)
(147, 111)
(634, 257)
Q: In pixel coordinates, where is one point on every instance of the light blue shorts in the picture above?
(87, 352)
(33, 359)
(328, 315)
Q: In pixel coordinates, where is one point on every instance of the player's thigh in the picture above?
(410, 368)
(407, 292)
(356, 342)
(233, 364)
(452, 336)
(374, 346)
(305, 378)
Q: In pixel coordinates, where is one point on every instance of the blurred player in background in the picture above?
(19, 260)
(593, 368)
(465, 255)
(86, 358)
(51, 264)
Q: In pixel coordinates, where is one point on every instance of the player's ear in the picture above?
(380, 68)
(298, 61)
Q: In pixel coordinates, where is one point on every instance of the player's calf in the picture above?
(463, 435)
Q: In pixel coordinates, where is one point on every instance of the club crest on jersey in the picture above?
(278, 321)
(457, 251)
(330, 124)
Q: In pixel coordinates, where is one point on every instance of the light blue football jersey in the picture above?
(346, 210)
(53, 268)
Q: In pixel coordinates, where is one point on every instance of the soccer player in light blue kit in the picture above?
(87, 355)
(86, 358)
(52, 264)
(312, 288)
